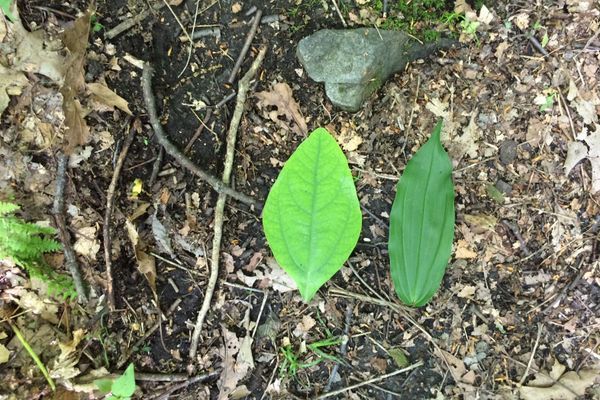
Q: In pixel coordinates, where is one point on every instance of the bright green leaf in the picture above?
(399, 357)
(312, 217)
(5, 6)
(545, 40)
(422, 223)
(104, 385)
(124, 386)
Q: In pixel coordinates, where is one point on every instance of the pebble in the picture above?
(508, 151)
(504, 187)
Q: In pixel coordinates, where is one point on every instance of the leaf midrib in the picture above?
(313, 206)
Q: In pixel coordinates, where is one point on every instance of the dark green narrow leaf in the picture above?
(312, 217)
(422, 223)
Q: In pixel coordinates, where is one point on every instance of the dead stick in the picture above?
(110, 202)
(243, 86)
(173, 151)
(343, 346)
(247, 43)
(368, 382)
(58, 209)
(190, 381)
(156, 166)
(128, 23)
(149, 332)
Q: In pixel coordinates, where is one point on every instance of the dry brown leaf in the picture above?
(593, 141)
(270, 275)
(463, 250)
(304, 326)
(282, 99)
(146, 263)
(577, 151)
(466, 143)
(569, 386)
(4, 354)
(236, 8)
(234, 368)
(104, 95)
(75, 39)
(438, 108)
(86, 243)
(461, 6)
(32, 302)
(11, 84)
(65, 365)
(32, 53)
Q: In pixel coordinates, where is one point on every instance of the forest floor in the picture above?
(517, 315)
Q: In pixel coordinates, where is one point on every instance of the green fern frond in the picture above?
(8, 208)
(26, 243)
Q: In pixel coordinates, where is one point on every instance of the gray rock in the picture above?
(354, 63)
(508, 151)
(504, 187)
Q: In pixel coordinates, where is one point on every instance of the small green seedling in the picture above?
(469, 27)
(96, 25)
(422, 223)
(312, 216)
(121, 388)
(292, 361)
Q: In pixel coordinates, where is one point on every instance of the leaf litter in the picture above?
(492, 292)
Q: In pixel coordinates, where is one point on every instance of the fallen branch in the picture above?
(247, 43)
(370, 381)
(110, 200)
(190, 381)
(128, 23)
(58, 210)
(243, 86)
(173, 151)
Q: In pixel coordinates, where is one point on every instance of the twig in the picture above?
(538, 46)
(149, 332)
(198, 131)
(339, 13)
(243, 87)
(225, 100)
(404, 313)
(110, 198)
(128, 23)
(190, 381)
(515, 231)
(246, 47)
(568, 287)
(540, 372)
(535, 346)
(58, 210)
(156, 166)
(368, 382)
(343, 346)
(173, 151)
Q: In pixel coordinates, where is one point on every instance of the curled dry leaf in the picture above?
(145, 262)
(562, 385)
(282, 99)
(75, 39)
(104, 95)
(237, 361)
(577, 151)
